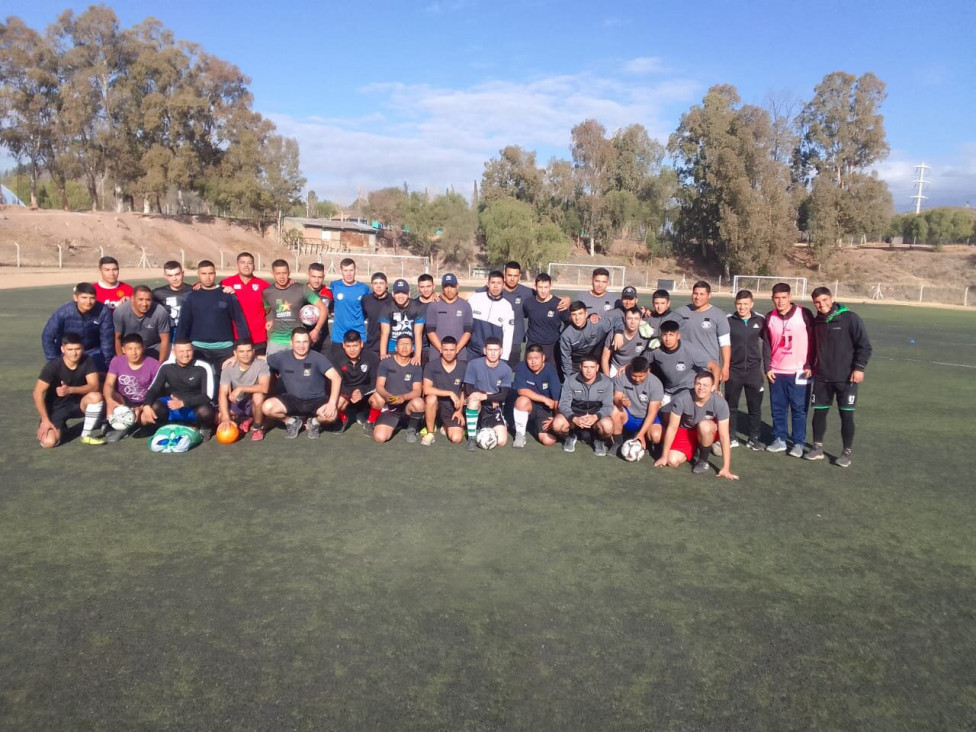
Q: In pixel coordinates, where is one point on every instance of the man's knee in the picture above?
(523, 404)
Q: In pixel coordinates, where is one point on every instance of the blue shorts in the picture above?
(633, 424)
(183, 414)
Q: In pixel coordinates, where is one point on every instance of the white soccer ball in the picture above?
(632, 451)
(122, 418)
(486, 438)
(309, 315)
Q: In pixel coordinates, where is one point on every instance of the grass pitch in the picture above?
(342, 585)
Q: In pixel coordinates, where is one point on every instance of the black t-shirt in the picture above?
(373, 310)
(56, 372)
(359, 375)
(451, 381)
(399, 379)
(303, 378)
(172, 300)
(545, 320)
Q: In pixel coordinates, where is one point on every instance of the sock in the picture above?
(313, 422)
(703, 453)
(373, 414)
(847, 429)
(414, 422)
(471, 418)
(343, 417)
(521, 421)
(820, 424)
(617, 440)
(93, 415)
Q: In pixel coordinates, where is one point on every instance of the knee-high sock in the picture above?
(471, 418)
(521, 421)
(93, 415)
(847, 428)
(820, 425)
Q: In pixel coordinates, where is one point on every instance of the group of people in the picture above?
(508, 358)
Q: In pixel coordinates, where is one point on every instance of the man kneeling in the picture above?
(538, 388)
(696, 417)
(182, 391)
(585, 405)
(637, 397)
(244, 384)
(68, 389)
(303, 373)
(397, 395)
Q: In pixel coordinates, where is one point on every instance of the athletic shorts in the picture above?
(824, 393)
(183, 414)
(347, 395)
(445, 413)
(686, 441)
(490, 417)
(65, 409)
(539, 414)
(633, 424)
(392, 416)
(295, 407)
(243, 409)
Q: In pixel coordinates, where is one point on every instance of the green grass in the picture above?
(341, 585)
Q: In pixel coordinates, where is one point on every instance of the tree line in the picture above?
(120, 117)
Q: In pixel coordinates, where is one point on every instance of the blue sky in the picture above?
(425, 92)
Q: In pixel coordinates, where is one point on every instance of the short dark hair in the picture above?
(577, 305)
(493, 341)
(172, 264)
(746, 295)
(245, 254)
(243, 342)
(513, 265)
(71, 339)
(448, 341)
(108, 260)
(300, 330)
(543, 277)
(205, 263)
(630, 311)
(702, 285)
(352, 336)
(601, 272)
(639, 365)
(535, 348)
(132, 338)
(670, 326)
(661, 295)
(425, 278)
(820, 292)
(85, 288)
(141, 288)
(183, 342)
(280, 263)
(495, 274)
(705, 374)
(405, 336)
(346, 262)
(316, 267)
(781, 287)
(589, 357)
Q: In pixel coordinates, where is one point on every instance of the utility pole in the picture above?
(920, 184)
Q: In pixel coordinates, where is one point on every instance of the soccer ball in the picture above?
(632, 451)
(486, 438)
(122, 418)
(309, 315)
(227, 433)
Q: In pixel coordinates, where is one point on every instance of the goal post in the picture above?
(762, 285)
(566, 273)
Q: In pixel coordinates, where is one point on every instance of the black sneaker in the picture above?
(314, 429)
(472, 444)
(411, 435)
(755, 444)
(368, 429)
(114, 436)
(293, 426)
(206, 434)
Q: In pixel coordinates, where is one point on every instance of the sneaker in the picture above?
(733, 442)
(92, 440)
(776, 445)
(796, 451)
(360, 418)
(700, 466)
(314, 429)
(293, 426)
(114, 436)
(246, 425)
(257, 434)
(717, 449)
(472, 444)
(754, 444)
(569, 444)
(844, 461)
(599, 448)
(411, 435)
(423, 432)
(814, 453)
(427, 440)
(206, 434)
(368, 428)
(519, 440)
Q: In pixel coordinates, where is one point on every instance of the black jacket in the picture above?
(841, 345)
(747, 346)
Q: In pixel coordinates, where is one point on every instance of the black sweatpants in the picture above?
(753, 386)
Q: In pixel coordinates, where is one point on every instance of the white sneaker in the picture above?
(717, 449)
(569, 444)
(733, 442)
(776, 445)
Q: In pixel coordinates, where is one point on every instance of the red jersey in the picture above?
(326, 294)
(251, 297)
(112, 296)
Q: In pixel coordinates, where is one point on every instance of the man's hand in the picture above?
(63, 390)
(625, 401)
(727, 474)
(356, 396)
(546, 424)
(234, 396)
(564, 303)
(857, 377)
(661, 462)
(148, 415)
(384, 356)
(725, 374)
(642, 439)
(457, 401)
(770, 376)
(552, 404)
(330, 411)
(314, 334)
(394, 399)
(176, 403)
(415, 360)
(228, 290)
(45, 427)
(594, 318)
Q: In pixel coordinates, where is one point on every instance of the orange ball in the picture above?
(227, 433)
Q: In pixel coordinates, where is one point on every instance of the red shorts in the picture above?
(686, 441)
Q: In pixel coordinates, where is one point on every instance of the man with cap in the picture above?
(402, 316)
(399, 385)
(375, 304)
(449, 316)
(87, 317)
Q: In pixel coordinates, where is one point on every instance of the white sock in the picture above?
(93, 415)
(521, 421)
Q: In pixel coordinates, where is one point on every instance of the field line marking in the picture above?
(934, 363)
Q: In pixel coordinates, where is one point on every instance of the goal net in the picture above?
(564, 273)
(392, 265)
(761, 285)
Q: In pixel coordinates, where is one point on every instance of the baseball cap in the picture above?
(449, 279)
(629, 292)
(401, 286)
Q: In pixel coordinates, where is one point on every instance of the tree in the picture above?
(511, 232)
(388, 206)
(825, 226)
(513, 174)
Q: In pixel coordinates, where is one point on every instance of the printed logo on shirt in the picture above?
(545, 384)
(254, 286)
(307, 369)
(550, 313)
(237, 286)
(680, 366)
(407, 377)
(457, 382)
(458, 313)
(364, 367)
(339, 296)
(706, 323)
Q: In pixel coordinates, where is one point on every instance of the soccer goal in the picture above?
(392, 265)
(564, 273)
(762, 285)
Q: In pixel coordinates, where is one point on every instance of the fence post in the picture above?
(18, 253)
(182, 259)
(259, 263)
(101, 251)
(60, 261)
(221, 258)
(965, 296)
(298, 267)
(921, 289)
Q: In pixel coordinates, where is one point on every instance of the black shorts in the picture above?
(392, 416)
(65, 409)
(445, 413)
(491, 416)
(539, 414)
(824, 393)
(295, 407)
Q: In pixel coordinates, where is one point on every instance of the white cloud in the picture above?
(434, 137)
(951, 182)
(645, 65)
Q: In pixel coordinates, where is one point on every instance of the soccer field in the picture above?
(342, 585)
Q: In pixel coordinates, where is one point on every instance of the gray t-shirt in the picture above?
(703, 328)
(443, 379)
(677, 368)
(601, 305)
(640, 395)
(692, 415)
(150, 326)
(628, 351)
(303, 378)
(399, 379)
(233, 377)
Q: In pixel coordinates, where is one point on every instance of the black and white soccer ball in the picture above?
(486, 438)
(632, 451)
(122, 418)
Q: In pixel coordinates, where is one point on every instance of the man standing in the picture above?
(487, 381)
(348, 294)
(375, 304)
(108, 290)
(146, 318)
(546, 318)
(209, 318)
(425, 297)
(705, 326)
(582, 337)
(89, 319)
(842, 350)
(787, 355)
(402, 316)
(449, 317)
(696, 418)
(249, 291)
(357, 369)
(399, 384)
(443, 384)
(746, 330)
(283, 303)
(304, 374)
(171, 295)
(586, 404)
(183, 391)
(67, 388)
(316, 283)
(539, 389)
(244, 385)
(637, 397)
(128, 380)
(517, 294)
(598, 302)
(660, 310)
(492, 317)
